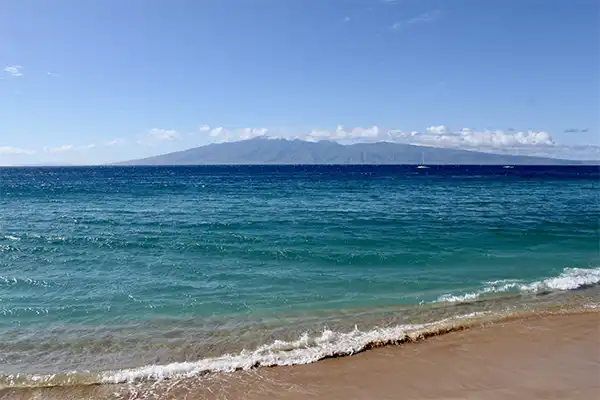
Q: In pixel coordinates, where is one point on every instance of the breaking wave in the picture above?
(305, 350)
(311, 348)
(569, 279)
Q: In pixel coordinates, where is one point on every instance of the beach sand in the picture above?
(536, 357)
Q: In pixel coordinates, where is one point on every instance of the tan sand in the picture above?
(542, 357)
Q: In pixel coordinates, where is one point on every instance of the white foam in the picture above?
(450, 298)
(307, 349)
(24, 380)
(7, 279)
(28, 281)
(10, 237)
(569, 279)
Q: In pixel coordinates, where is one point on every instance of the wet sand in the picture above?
(538, 357)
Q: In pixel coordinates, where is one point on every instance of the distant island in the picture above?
(285, 152)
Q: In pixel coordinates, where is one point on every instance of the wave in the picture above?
(569, 279)
(312, 348)
(11, 280)
(305, 350)
(10, 237)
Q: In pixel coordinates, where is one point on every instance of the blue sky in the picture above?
(100, 81)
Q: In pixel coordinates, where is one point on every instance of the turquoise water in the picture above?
(114, 268)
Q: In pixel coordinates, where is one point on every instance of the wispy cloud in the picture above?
(14, 70)
(575, 130)
(157, 135)
(114, 142)
(9, 150)
(66, 148)
(60, 149)
(164, 134)
(429, 16)
(347, 19)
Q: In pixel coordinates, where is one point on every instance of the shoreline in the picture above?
(545, 356)
(552, 354)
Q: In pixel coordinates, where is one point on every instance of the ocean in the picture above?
(131, 274)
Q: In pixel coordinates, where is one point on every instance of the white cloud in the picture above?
(501, 139)
(13, 70)
(9, 150)
(342, 134)
(439, 136)
(530, 142)
(60, 149)
(217, 132)
(89, 147)
(347, 19)
(249, 133)
(436, 136)
(204, 128)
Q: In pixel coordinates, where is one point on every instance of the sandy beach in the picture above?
(536, 357)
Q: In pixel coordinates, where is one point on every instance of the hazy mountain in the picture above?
(281, 151)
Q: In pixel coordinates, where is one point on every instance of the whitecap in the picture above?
(10, 237)
(569, 279)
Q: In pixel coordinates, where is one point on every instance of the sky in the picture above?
(88, 82)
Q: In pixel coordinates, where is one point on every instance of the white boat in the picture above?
(422, 165)
(508, 166)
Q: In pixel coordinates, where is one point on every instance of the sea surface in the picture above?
(128, 274)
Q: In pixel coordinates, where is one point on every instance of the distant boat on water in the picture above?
(512, 166)
(422, 165)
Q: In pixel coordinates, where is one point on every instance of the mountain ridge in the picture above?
(269, 151)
